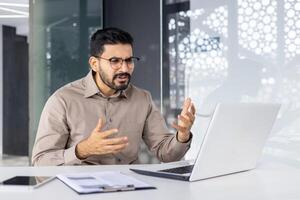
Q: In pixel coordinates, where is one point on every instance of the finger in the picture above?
(185, 120)
(99, 124)
(114, 141)
(109, 132)
(180, 128)
(116, 147)
(193, 109)
(191, 116)
(117, 150)
(186, 105)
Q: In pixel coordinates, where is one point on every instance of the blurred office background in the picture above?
(212, 51)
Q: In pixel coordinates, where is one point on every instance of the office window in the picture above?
(234, 51)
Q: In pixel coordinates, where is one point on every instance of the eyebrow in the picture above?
(121, 57)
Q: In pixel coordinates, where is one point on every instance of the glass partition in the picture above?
(59, 40)
(234, 51)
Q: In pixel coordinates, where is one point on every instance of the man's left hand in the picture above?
(185, 121)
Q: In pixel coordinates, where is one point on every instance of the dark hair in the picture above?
(108, 36)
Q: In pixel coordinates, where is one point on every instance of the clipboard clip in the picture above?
(116, 188)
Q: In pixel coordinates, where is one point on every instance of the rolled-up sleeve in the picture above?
(159, 140)
(52, 136)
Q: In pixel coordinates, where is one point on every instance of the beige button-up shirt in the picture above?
(73, 111)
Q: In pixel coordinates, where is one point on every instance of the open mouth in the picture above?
(122, 77)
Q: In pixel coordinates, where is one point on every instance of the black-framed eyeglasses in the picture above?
(116, 62)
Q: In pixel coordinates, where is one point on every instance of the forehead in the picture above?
(117, 50)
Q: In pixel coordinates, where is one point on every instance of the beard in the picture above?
(119, 81)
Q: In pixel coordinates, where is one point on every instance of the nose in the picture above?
(124, 66)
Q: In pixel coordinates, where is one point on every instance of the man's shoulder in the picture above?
(71, 90)
(136, 91)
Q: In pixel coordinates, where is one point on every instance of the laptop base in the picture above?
(161, 175)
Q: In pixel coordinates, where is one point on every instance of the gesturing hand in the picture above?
(98, 143)
(185, 120)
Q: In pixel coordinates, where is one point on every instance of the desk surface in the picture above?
(267, 181)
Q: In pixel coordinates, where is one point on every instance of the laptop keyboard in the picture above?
(179, 170)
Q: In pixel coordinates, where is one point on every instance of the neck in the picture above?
(107, 91)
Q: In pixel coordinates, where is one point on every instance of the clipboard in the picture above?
(102, 182)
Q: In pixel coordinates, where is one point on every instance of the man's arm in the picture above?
(52, 136)
(159, 140)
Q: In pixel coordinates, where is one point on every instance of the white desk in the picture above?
(268, 181)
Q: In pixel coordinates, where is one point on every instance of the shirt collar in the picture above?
(91, 88)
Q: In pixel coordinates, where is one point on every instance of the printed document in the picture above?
(106, 181)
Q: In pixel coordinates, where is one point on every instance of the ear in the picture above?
(94, 63)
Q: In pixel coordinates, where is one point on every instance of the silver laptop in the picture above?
(233, 143)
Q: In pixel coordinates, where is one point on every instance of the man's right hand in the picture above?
(98, 143)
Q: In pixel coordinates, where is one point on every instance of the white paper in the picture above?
(100, 181)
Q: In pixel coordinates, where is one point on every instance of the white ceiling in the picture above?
(15, 13)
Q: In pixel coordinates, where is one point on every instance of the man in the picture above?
(102, 118)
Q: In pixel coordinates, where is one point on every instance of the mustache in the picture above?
(121, 74)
